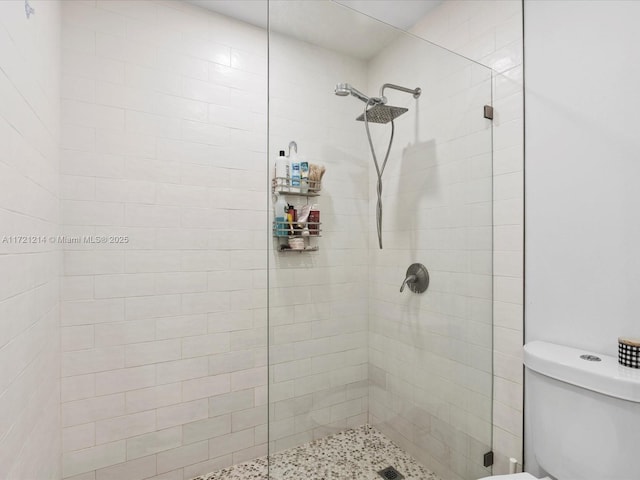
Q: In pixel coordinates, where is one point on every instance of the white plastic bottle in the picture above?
(283, 172)
(280, 216)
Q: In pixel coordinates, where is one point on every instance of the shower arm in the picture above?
(415, 92)
(361, 96)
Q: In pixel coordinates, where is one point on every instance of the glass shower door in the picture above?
(362, 376)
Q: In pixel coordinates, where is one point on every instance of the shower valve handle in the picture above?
(416, 278)
(409, 279)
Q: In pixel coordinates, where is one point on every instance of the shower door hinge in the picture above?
(488, 459)
(488, 112)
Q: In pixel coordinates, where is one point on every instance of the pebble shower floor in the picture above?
(355, 454)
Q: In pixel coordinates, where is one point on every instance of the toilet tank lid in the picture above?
(563, 363)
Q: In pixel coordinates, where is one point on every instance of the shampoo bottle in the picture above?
(280, 216)
(283, 172)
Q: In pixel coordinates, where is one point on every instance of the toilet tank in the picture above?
(582, 416)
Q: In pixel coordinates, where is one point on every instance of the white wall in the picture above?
(164, 338)
(29, 286)
(582, 146)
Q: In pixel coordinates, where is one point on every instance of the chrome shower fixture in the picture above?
(379, 111)
(376, 110)
(345, 89)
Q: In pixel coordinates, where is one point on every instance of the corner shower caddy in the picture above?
(282, 186)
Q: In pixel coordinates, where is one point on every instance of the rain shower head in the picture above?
(382, 113)
(376, 110)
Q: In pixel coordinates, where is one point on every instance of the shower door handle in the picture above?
(417, 278)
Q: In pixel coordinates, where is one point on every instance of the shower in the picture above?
(376, 110)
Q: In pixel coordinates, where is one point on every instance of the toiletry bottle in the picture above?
(304, 176)
(292, 217)
(280, 216)
(283, 172)
(295, 173)
(314, 220)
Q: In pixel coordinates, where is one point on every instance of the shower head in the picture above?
(345, 89)
(382, 113)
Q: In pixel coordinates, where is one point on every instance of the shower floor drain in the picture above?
(390, 473)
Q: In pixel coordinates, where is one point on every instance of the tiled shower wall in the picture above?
(163, 336)
(30, 264)
(430, 354)
(164, 370)
(318, 301)
(490, 32)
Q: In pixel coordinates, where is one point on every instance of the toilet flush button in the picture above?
(590, 358)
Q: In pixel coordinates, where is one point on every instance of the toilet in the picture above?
(583, 416)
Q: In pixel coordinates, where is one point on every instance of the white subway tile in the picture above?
(244, 419)
(93, 360)
(92, 115)
(113, 142)
(152, 306)
(78, 437)
(152, 261)
(123, 333)
(185, 412)
(205, 387)
(194, 303)
(133, 191)
(81, 14)
(205, 133)
(152, 80)
(154, 442)
(78, 88)
(156, 125)
(179, 457)
(124, 427)
(152, 216)
(77, 338)
(205, 345)
(186, 282)
(77, 388)
(153, 397)
(205, 429)
(132, 470)
(90, 163)
(229, 402)
(113, 286)
(231, 443)
(169, 372)
(152, 352)
(84, 65)
(122, 96)
(93, 458)
(183, 326)
(253, 377)
(117, 47)
(115, 381)
(92, 409)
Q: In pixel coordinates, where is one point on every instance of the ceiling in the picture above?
(336, 25)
